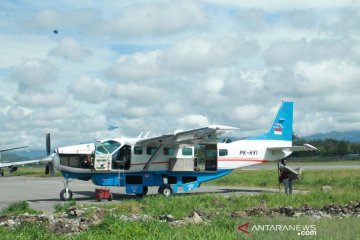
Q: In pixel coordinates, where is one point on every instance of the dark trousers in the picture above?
(288, 184)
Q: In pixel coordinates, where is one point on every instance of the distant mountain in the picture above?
(11, 157)
(31, 153)
(351, 136)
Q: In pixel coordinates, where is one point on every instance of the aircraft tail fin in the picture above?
(281, 128)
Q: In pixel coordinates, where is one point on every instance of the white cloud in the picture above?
(69, 48)
(282, 5)
(173, 108)
(35, 73)
(156, 19)
(150, 19)
(199, 54)
(214, 85)
(15, 50)
(325, 77)
(3, 102)
(136, 93)
(89, 89)
(285, 53)
(191, 55)
(16, 112)
(143, 65)
(36, 79)
(164, 65)
(50, 19)
(193, 120)
(253, 20)
(40, 99)
(247, 113)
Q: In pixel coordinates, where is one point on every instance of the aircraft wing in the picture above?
(8, 149)
(305, 147)
(206, 134)
(18, 163)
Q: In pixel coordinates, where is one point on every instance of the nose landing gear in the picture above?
(66, 194)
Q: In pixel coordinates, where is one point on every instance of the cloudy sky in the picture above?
(74, 68)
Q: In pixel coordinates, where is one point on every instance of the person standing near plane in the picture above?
(285, 177)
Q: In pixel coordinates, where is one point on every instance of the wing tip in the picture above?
(223, 127)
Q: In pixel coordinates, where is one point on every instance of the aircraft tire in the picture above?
(166, 190)
(145, 191)
(2, 173)
(64, 196)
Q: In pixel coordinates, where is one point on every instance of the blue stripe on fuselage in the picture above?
(151, 178)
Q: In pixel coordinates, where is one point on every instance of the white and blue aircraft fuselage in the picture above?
(183, 159)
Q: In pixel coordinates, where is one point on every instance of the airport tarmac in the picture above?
(43, 193)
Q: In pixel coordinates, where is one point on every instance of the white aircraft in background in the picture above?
(183, 159)
(12, 167)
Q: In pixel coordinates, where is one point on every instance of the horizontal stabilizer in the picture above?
(305, 147)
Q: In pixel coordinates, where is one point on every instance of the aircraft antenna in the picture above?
(140, 135)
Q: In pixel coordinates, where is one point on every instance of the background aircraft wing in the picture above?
(18, 163)
(305, 147)
(8, 149)
(198, 135)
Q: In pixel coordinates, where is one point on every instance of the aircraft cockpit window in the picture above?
(107, 147)
(111, 146)
(100, 149)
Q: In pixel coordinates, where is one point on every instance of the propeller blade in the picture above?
(52, 170)
(48, 144)
(47, 169)
(49, 166)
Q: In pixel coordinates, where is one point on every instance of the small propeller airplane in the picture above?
(183, 159)
(12, 167)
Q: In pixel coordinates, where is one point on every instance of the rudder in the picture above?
(281, 128)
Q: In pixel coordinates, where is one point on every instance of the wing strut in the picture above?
(147, 165)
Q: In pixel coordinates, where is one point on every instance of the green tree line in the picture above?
(328, 147)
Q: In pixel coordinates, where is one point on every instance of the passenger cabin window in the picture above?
(150, 150)
(169, 151)
(223, 152)
(138, 150)
(187, 151)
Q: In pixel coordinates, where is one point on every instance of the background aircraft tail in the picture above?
(281, 128)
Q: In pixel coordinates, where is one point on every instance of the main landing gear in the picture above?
(66, 194)
(166, 190)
